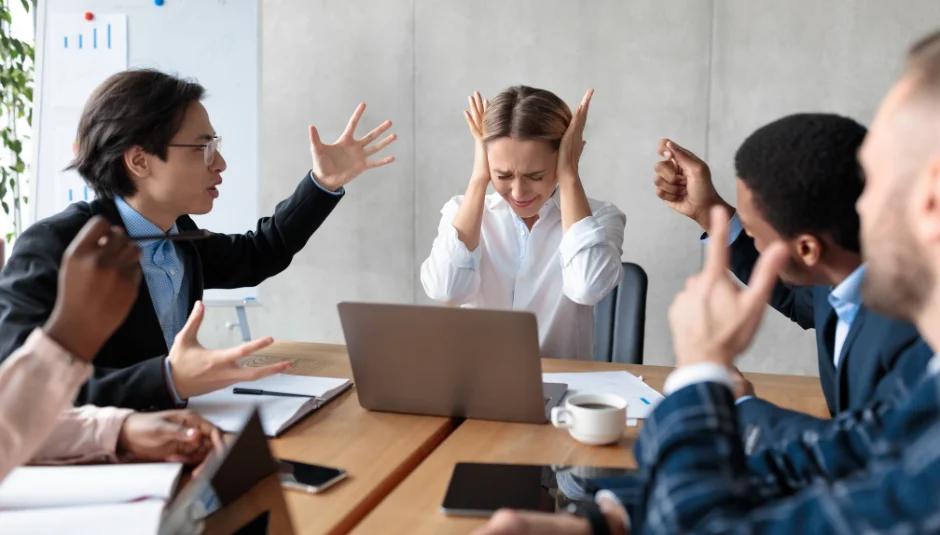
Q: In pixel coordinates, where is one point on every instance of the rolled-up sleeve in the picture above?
(590, 255)
(450, 274)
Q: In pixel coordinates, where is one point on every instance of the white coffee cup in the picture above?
(593, 419)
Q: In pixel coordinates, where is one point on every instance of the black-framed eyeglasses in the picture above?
(209, 149)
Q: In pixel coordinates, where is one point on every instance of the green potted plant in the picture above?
(16, 110)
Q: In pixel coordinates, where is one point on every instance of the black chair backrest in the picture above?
(620, 319)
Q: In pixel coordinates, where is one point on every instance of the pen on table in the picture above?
(258, 392)
(182, 236)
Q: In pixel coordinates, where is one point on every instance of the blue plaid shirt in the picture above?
(165, 273)
(875, 470)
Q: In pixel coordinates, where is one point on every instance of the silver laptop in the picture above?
(466, 363)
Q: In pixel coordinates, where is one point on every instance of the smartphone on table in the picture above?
(306, 477)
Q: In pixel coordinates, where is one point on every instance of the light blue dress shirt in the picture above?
(846, 299)
(165, 273)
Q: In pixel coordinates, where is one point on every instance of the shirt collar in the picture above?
(849, 291)
(138, 225)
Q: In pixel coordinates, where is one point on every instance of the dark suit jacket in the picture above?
(129, 369)
(871, 471)
(879, 354)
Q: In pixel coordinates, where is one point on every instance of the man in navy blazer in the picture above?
(870, 471)
(798, 181)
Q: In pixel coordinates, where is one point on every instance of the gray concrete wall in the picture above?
(705, 73)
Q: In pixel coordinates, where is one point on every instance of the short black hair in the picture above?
(143, 107)
(804, 174)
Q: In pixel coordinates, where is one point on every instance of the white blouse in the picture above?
(557, 276)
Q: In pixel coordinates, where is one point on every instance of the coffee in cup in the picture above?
(593, 419)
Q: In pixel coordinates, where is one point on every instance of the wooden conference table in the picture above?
(399, 465)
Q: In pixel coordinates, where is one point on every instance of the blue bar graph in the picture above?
(86, 193)
(70, 195)
(94, 39)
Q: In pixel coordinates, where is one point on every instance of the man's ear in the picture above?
(926, 203)
(137, 162)
(808, 248)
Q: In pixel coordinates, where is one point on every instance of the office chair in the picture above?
(620, 319)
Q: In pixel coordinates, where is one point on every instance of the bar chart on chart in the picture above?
(69, 186)
(85, 54)
(93, 43)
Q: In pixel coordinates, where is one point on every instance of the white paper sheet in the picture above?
(641, 398)
(62, 486)
(227, 410)
(138, 518)
(83, 54)
(69, 186)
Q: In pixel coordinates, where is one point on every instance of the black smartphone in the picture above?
(310, 478)
(479, 489)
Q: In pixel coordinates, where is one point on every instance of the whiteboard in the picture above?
(216, 42)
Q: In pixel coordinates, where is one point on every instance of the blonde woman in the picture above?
(538, 243)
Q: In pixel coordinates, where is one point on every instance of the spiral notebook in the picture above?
(226, 409)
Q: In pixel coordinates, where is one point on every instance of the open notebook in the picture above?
(227, 410)
(29, 487)
(126, 498)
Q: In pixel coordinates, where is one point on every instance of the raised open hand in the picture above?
(338, 164)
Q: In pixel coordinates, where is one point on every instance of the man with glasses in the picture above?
(147, 148)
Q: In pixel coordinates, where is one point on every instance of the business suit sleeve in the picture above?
(28, 285)
(903, 370)
(141, 386)
(699, 481)
(241, 260)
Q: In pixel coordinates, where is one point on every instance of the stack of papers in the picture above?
(121, 498)
(227, 410)
(641, 398)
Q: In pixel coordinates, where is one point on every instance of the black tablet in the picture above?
(478, 489)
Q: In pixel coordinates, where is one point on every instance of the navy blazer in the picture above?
(129, 369)
(879, 355)
(871, 471)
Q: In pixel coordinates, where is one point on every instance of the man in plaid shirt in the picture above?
(871, 471)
